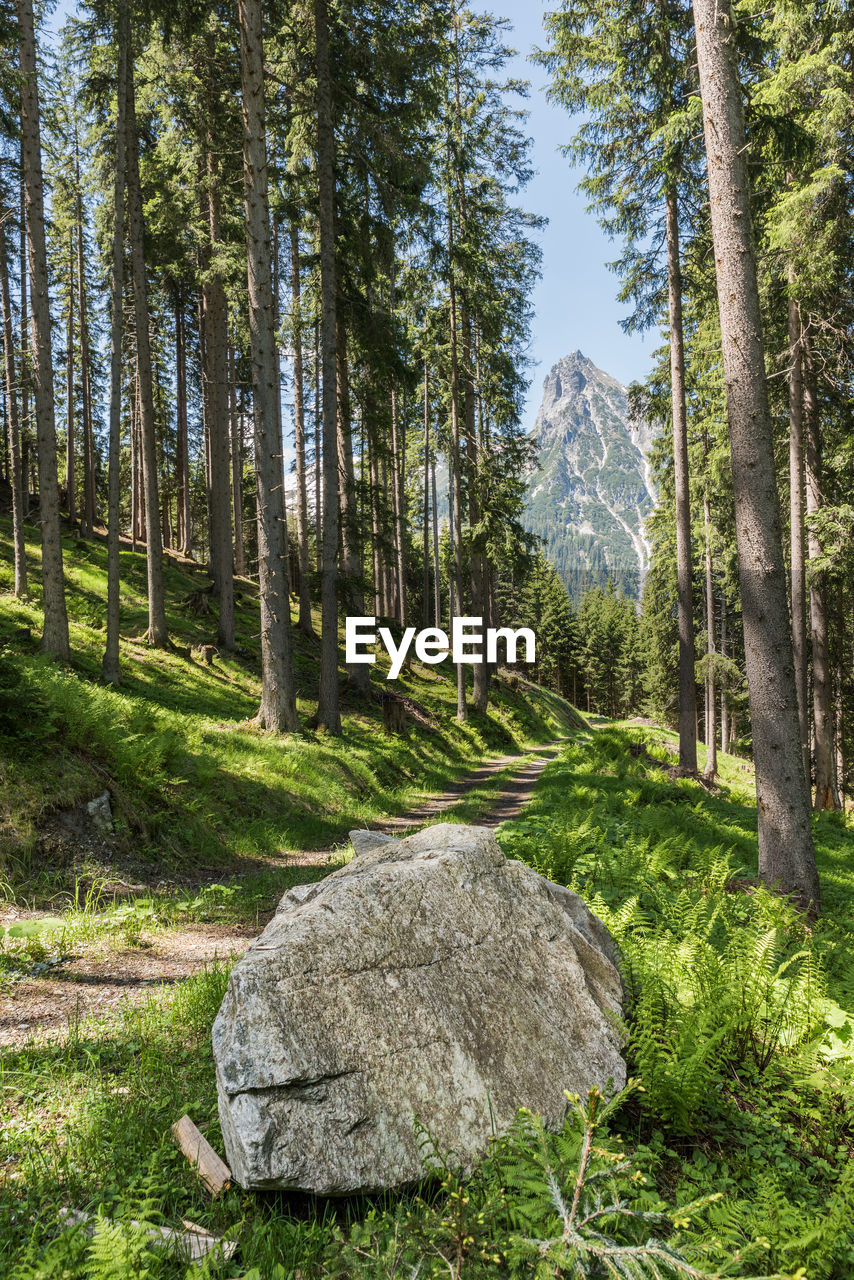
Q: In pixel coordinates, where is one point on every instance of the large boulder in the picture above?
(429, 977)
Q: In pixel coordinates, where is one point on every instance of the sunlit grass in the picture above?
(192, 780)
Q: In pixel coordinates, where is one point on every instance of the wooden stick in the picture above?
(214, 1173)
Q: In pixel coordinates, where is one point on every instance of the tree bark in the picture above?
(157, 632)
(89, 491)
(328, 713)
(358, 673)
(305, 623)
(398, 462)
(724, 709)
(278, 695)
(25, 359)
(374, 477)
(55, 636)
(425, 586)
(684, 572)
(216, 350)
(236, 466)
(15, 461)
(70, 466)
(110, 668)
(437, 585)
(456, 512)
(318, 454)
(711, 728)
(480, 671)
(786, 852)
(826, 795)
(182, 444)
(796, 524)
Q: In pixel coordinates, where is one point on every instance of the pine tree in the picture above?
(786, 853)
(55, 636)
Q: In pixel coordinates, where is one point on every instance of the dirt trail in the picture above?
(96, 981)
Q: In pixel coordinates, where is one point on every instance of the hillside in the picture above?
(592, 490)
(192, 782)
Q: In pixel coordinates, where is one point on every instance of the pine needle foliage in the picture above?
(570, 1204)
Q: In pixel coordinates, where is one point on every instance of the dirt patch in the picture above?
(91, 984)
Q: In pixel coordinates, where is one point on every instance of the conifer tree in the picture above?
(786, 853)
(55, 636)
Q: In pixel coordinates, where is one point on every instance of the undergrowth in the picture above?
(192, 781)
(730, 1155)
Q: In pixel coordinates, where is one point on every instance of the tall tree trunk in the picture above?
(684, 572)
(826, 796)
(425, 587)
(480, 671)
(236, 466)
(711, 728)
(182, 443)
(456, 514)
(328, 714)
(55, 636)
(216, 349)
(374, 474)
(278, 695)
(358, 673)
(786, 852)
(305, 623)
(796, 523)
(70, 467)
(206, 433)
(387, 515)
(398, 463)
(89, 493)
(15, 460)
(110, 668)
(25, 358)
(318, 453)
(724, 709)
(437, 585)
(348, 513)
(157, 633)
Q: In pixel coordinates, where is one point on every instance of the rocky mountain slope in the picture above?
(593, 488)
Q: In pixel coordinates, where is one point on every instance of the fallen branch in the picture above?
(214, 1173)
(192, 1244)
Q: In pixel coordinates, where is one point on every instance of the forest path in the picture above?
(97, 981)
(511, 796)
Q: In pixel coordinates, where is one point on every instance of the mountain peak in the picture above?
(593, 490)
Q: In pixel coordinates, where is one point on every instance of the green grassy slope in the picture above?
(192, 780)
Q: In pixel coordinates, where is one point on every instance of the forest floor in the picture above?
(120, 955)
(741, 1030)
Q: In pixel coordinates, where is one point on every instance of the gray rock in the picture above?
(100, 814)
(429, 977)
(362, 841)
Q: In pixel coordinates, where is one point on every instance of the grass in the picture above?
(742, 1033)
(193, 783)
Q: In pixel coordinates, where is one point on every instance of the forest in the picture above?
(266, 288)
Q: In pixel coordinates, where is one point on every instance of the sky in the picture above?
(575, 300)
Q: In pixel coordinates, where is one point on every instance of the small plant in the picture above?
(590, 1211)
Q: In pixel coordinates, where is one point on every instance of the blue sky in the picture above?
(575, 301)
